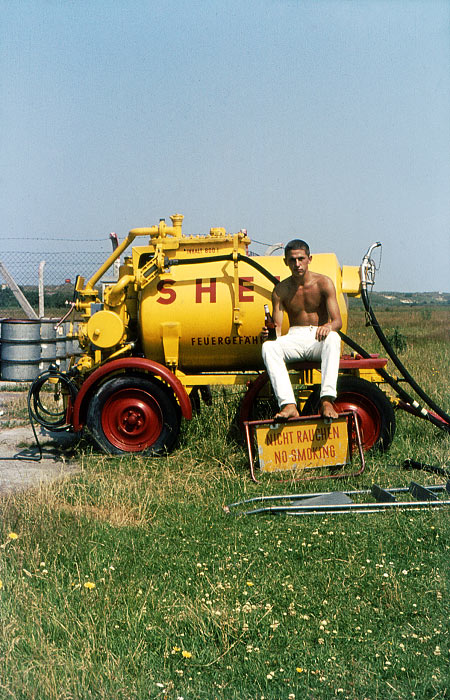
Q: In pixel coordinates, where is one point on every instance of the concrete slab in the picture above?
(20, 467)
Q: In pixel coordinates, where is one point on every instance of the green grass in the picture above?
(347, 606)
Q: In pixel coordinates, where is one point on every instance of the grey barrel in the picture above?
(20, 349)
(48, 340)
(53, 342)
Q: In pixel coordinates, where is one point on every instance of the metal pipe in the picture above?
(345, 507)
(297, 496)
(90, 284)
(113, 298)
(41, 289)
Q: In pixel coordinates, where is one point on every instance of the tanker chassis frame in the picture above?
(140, 409)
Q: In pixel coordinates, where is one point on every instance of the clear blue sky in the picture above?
(324, 119)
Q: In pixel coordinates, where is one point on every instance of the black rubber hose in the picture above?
(36, 408)
(410, 464)
(33, 397)
(23, 456)
(402, 369)
(223, 258)
(395, 385)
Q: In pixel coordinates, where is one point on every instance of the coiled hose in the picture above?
(38, 412)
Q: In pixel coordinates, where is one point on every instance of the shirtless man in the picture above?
(309, 300)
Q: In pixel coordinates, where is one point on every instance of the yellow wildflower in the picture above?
(186, 654)
(13, 535)
(299, 669)
(89, 585)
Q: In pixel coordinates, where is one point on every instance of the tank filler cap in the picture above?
(218, 232)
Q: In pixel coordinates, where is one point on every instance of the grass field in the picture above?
(128, 581)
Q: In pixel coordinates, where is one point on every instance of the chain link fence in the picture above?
(59, 266)
(59, 272)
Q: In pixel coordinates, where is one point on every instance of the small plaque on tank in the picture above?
(303, 445)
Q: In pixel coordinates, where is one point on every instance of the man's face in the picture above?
(298, 261)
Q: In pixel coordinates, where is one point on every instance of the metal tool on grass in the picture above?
(342, 501)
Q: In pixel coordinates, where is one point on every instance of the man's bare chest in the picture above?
(307, 299)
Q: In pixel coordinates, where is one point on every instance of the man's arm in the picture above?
(334, 315)
(277, 310)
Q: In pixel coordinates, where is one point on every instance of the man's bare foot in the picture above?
(288, 411)
(327, 410)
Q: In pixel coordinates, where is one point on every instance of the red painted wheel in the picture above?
(374, 410)
(132, 419)
(368, 416)
(134, 414)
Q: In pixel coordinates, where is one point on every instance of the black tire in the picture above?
(258, 403)
(131, 414)
(373, 408)
(200, 392)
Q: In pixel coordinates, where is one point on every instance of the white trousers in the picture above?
(300, 344)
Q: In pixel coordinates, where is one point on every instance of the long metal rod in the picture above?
(346, 507)
(297, 496)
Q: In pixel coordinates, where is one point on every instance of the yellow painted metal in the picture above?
(351, 280)
(217, 379)
(170, 332)
(116, 294)
(105, 329)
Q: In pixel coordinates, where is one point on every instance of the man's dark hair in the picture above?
(296, 244)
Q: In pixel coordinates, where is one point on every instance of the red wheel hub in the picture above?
(368, 417)
(132, 420)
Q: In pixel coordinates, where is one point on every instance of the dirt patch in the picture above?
(20, 463)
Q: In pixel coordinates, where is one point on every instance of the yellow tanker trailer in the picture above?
(186, 313)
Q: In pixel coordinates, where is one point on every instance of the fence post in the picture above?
(23, 301)
(41, 289)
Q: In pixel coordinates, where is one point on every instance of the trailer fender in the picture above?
(128, 363)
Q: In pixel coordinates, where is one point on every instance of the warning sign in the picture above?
(303, 445)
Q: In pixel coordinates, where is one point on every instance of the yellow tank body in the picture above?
(207, 316)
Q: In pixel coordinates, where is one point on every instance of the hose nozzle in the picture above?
(368, 267)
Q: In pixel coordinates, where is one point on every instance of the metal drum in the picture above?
(48, 340)
(20, 350)
(60, 335)
(53, 343)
